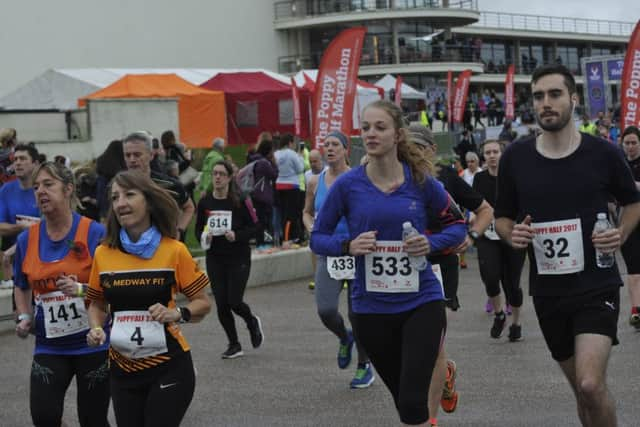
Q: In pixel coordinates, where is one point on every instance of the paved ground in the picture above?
(294, 381)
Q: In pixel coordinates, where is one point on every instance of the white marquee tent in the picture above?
(388, 82)
(59, 89)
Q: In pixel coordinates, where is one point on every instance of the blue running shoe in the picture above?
(364, 376)
(344, 351)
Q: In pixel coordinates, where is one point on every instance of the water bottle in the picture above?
(417, 262)
(603, 260)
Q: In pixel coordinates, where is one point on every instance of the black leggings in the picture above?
(500, 263)
(403, 348)
(160, 400)
(228, 281)
(449, 267)
(51, 375)
(264, 213)
(291, 212)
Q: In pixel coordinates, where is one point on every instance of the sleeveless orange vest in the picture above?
(42, 275)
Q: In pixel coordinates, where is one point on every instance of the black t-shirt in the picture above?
(173, 185)
(241, 223)
(486, 185)
(574, 187)
(635, 168)
(461, 192)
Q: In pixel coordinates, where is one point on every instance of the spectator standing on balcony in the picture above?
(477, 49)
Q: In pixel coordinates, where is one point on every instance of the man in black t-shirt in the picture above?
(137, 156)
(550, 189)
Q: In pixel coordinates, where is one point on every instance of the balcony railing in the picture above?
(303, 8)
(512, 21)
(437, 54)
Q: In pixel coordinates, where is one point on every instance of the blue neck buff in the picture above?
(146, 245)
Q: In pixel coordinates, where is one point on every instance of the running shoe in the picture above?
(499, 321)
(312, 285)
(433, 422)
(344, 351)
(515, 333)
(364, 376)
(463, 265)
(634, 320)
(488, 307)
(449, 401)
(255, 331)
(234, 350)
(508, 310)
(345, 285)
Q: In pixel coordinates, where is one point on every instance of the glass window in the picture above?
(247, 114)
(285, 112)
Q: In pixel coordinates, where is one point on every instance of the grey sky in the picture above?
(613, 10)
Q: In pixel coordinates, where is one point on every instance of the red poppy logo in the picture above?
(79, 249)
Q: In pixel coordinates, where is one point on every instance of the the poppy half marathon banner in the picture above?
(509, 102)
(630, 85)
(336, 85)
(460, 95)
(449, 95)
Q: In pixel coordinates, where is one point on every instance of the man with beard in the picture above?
(550, 189)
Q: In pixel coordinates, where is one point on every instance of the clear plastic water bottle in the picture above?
(603, 260)
(417, 262)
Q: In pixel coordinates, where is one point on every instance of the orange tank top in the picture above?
(42, 275)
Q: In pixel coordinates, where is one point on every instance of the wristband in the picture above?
(24, 316)
(80, 291)
(97, 328)
(345, 247)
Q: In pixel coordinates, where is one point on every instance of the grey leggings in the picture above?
(327, 293)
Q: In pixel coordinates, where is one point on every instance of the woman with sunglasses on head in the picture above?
(398, 305)
(52, 265)
(137, 272)
(224, 227)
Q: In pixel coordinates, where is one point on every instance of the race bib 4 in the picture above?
(135, 334)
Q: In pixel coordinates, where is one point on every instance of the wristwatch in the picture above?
(474, 235)
(185, 314)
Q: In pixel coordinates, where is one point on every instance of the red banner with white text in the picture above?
(449, 95)
(336, 85)
(398, 98)
(630, 84)
(297, 116)
(460, 95)
(509, 101)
